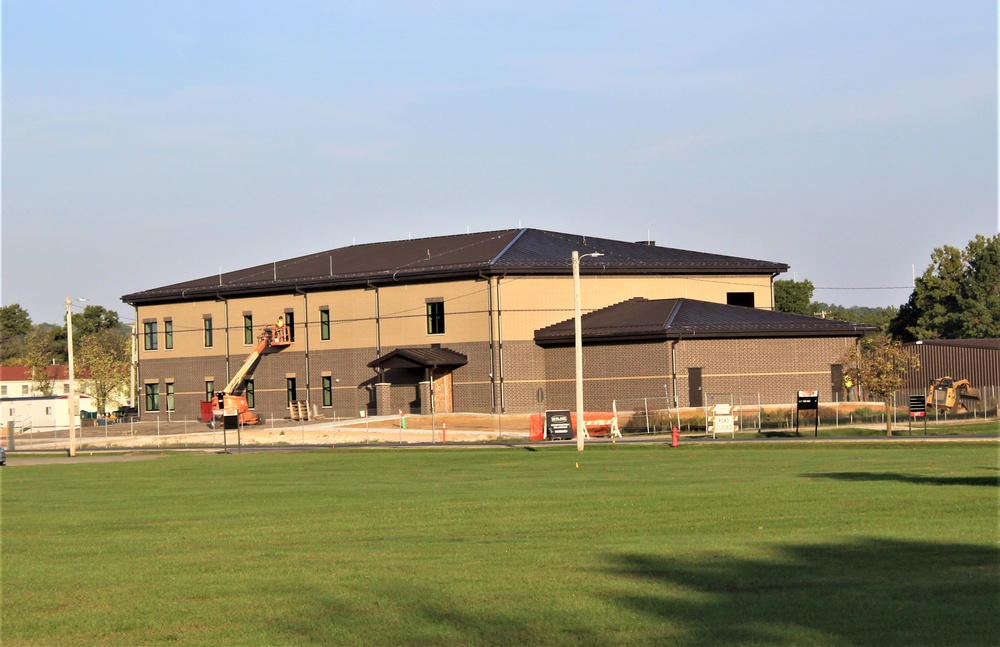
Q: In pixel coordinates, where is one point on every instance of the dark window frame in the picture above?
(435, 317)
(150, 335)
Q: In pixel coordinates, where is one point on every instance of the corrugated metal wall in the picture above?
(978, 364)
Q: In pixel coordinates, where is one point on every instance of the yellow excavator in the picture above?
(951, 395)
(229, 400)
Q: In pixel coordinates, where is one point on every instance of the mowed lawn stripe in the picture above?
(617, 545)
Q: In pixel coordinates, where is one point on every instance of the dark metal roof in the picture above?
(493, 253)
(660, 319)
(420, 358)
(992, 343)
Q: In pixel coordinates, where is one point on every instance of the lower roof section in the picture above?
(420, 358)
(674, 319)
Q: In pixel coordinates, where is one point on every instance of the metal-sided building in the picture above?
(451, 321)
(976, 360)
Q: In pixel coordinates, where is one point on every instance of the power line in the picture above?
(891, 287)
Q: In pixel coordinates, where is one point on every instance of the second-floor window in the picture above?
(324, 324)
(435, 317)
(208, 332)
(149, 335)
(247, 329)
(168, 334)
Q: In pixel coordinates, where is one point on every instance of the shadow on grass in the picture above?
(861, 592)
(917, 479)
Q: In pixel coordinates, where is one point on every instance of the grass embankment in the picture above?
(846, 545)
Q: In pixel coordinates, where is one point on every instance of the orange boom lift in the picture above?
(230, 400)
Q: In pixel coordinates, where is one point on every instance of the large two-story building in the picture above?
(465, 323)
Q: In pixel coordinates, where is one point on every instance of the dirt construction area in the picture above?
(275, 432)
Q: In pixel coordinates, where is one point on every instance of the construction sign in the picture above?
(723, 420)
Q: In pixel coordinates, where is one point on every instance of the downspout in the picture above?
(673, 368)
(305, 324)
(134, 373)
(489, 309)
(500, 349)
(226, 335)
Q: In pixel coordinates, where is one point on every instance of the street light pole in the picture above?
(72, 390)
(581, 427)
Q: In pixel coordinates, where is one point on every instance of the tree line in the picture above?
(102, 350)
(956, 297)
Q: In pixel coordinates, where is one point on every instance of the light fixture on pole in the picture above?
(72, 390)
(581, 428)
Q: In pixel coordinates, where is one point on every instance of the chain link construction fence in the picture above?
(654, 415)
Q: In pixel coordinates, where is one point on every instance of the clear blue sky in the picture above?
(151, 142)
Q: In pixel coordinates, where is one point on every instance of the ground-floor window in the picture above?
(152, 397)
(327, 391)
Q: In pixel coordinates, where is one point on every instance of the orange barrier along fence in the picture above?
(598, 423)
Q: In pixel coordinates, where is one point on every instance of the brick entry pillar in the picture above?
(425, 398)
(383, 399)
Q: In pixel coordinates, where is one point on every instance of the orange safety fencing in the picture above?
(598, 423)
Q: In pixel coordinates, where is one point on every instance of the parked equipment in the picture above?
(951, 395)
(230, 400)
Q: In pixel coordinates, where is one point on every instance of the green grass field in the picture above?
(829, 544)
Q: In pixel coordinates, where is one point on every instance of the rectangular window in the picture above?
(248, 329)
(170, 396)
(290, 322)
(149, 335)
(48, 411)
(24, 389)
(209, 390)
(249, 394)
(744, 299)
(168, 334)
(327, 391)
(324, 324)
(435, 318)
(66, 388)
(152, 397)
(290, 389)
(208, 332)
(3, 390)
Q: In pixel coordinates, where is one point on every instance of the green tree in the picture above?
(15, 324)
(793, 296)
(957, 296)
(42, 354)
(879, 317)
(881, 364)
(93, 319)
(104, 360)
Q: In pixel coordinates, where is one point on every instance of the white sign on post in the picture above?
(723, 420)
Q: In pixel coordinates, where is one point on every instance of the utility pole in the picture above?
(581, 427)
(72, 389)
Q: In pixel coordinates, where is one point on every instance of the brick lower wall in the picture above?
(534, 378)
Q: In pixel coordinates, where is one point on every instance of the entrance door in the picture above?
(442, 390)
(694, 388)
